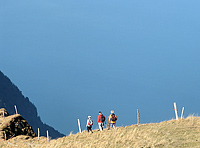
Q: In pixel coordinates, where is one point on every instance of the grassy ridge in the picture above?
(173, 133)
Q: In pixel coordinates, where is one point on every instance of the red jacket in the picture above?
(99, 118)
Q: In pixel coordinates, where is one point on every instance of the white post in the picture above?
(47, 136)
(175, 108)
(79, 125)
(38, 133)
(3, 114)
(16, 109)
(138, 116)
(182, 113)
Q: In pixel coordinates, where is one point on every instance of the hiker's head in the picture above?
(112, 111)
(89, 116)
(99, 112)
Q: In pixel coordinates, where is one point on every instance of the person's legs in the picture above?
(91, 129)
(114, 125)
(88, 129)
(100, 126)
(111, 125)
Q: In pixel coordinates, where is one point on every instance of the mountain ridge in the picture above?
(10, 95)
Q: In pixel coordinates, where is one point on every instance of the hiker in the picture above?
(89, 124)
(112, 119)
(101, 120)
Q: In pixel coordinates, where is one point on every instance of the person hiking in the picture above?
(89, 124)
(112, 119)
(101, 120)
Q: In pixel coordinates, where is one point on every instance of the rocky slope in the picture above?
(14, 125)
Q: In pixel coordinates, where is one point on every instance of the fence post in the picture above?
(175, 108)
(182, 113)
(47, 136)
(38, 133)
(3, 114)
(79, 125)
(138, 116)
(16, 109)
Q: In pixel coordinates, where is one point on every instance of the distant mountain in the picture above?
(10, 95)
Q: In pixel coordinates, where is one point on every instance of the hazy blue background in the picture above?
(74, 58)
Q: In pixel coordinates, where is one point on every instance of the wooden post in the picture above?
(3, 114)
(176, 112)
(38, 133)
(138, 116)
(16, 109)
(47, 136)
(79, 125)
(182, 113)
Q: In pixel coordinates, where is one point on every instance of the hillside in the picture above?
(10, 95)
(173, 133)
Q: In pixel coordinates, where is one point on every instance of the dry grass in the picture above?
(173, 133)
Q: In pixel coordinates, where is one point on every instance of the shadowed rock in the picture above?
(14, 125)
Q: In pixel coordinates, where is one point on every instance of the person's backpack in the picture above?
(90, 122)
(102, 118)
(113, 117)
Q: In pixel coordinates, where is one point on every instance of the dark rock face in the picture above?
(10, 95)
(14, 125)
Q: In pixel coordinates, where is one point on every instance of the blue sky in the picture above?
(74, 58)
